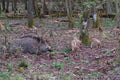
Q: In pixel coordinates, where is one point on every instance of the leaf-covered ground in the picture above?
(97, 63)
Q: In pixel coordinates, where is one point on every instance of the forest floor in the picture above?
(97, 63)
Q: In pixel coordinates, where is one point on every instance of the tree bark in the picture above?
(14, 5)
(3, 5)
(0, 8)
(25, 1)
(83, 32)
(30, 13)
(69, 13)
(7, 6)
(118, 14)
(44, 9)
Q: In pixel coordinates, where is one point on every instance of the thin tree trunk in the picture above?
(30, 13)
(44, 9)
(25, 1)
(69, 13)
(3, 5)
(0, 8)
(118, 13)
(7, 6)
(33, 3)
(109, 10)
(14, 5)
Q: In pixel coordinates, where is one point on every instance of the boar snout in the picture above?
(45, 48)
(49, 49)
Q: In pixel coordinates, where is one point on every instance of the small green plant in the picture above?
(76, 23)
(2, 14)
(63, 76)
(85, 61)
(7, 27)
(80, 71)
(10, 66)
(112, 62)
(59, 25)
(116, 70)
(109, 23)
(55, 52)
(58, 65)
(108, 52)
(19, 77)
(67, 58)
(89, 4)
(43, 65)
(118, 59)
(16, 76)
(23, 64)
(67, 50)
(94, 75)
(4, 76)
(71, 63)
(43, 76)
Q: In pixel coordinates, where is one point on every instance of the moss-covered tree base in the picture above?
(71, 23)
(30, 23)
(97, 24)
(85, 39)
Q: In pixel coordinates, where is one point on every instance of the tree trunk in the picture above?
(44, 9)
(69, 13)
(84, 33)
(14, 8)
(118, 14)
(96, 21)
(33, 3)
(0, 8)
(30, 13)
(3, 5)
(7, 6)
(25, 1)
(109, 10)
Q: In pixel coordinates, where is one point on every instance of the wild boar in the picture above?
(95, 42)
(29, 44)
(75, 44)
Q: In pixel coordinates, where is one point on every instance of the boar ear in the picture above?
(44, 38)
